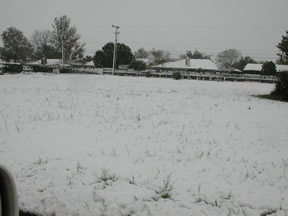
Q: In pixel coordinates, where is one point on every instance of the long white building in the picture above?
(200, 65)
(258, 68)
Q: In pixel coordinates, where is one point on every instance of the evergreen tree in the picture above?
(241, 64)
(269, 68)
(281, 86)
(16, 46)
(138, 65)
(283, 47)
(104, 57)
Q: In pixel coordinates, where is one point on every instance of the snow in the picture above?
(145, 60)
(253, 67)
(49, 62)
(105, 145)
(258, 67)
(90, 63)
(204, 64)
(281, 68)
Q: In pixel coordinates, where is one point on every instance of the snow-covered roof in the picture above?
(13, 63)
(91, 63)
(236, 70)
(253, 67)
(258, 67)
(145, 60)
(204, 64)
(281, 68)
(49, 62)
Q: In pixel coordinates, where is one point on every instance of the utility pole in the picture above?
(115, 48)
(63, 52)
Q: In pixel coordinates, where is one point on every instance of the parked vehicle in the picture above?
(27, 68)
(8, 67)
(1, 69)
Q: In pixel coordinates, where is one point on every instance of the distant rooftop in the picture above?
(204, 64)
(49, 62)
(91, 63)
(258, 67)
(253, 67)
(145, 60)
(281, 68)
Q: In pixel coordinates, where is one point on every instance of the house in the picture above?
(48, 62)
(57, 63)
(253, 68)
(10, 67)
(147, 61)
(282, 68)
(90, 64)
(48, 65)
(88, 68)
(189, 65)
(257, 68)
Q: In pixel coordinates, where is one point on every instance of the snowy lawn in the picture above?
(104, 145)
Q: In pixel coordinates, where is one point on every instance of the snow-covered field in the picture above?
(104, 145)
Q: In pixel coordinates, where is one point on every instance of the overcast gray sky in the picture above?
(252, 26)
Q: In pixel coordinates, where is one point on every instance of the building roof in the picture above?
(91, 63)
(13, 63)
(253, 67)
(49, 62)
(204, 64)
(236, 70)
(145, 60)
(258, 67)
(281, 68)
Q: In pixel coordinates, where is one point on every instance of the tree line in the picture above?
(48, 44)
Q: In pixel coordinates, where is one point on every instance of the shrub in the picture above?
(269, 68)
(147, 74)
(106, 177)
(176, 75)
(281, 87)
(138, 65)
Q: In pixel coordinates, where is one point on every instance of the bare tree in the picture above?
(63, 31)
(40, 41)
(227, 58)
(141, 53)
(40, 38)
(195, 55)
(160, 56)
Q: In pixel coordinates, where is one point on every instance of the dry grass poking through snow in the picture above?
(103, 145)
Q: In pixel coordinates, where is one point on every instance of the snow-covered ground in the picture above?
(104, 145)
